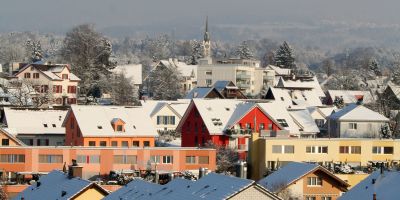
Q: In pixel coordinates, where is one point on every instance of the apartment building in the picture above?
(269, 153)
(100, 161)
(56, 79)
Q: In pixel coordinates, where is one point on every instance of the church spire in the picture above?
(206, 34)
(206, 42)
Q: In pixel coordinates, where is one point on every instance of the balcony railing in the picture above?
(243, 76)
(238, 132)
(274, 133)
(243, 85)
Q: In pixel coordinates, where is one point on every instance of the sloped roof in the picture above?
(200, 92)
(12, 137)
(53, 184)
(38, 120)
(211, 186)
(133, 71)
(290, 173)
(281, 95)
(221, 85)
(355, 112)
(279, 71)
(304, 120)
(386, 186)
(395, 89)
(302, 84)
(185, 69)
(50, 70)
(277, 110)
(351, 96)
(95, 121)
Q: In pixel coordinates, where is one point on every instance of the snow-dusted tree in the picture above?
(243, 51)
(165, 83)
(373, 66)
(284, 56)
(338, 102)
(328, 66)
(196, 52)
(29, 93)
(226, 158)
(123, 92)
(89, 54)
(34, 48)
(3, 194)
(385, 131)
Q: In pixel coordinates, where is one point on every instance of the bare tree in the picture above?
(226, 158)
(123, 91)
(28, 93)
(281, 189)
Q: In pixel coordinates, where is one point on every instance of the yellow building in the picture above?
(270, 153)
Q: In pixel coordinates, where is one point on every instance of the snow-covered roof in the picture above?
(95, 121)
(385, 186)
(51, 71)
(199, 92)
(216, 112)
(211, 186)
(351, 96)
(39, 121)
(395, 89)
(185, 69)
(293, 97)
(54, 185)
(302, 85)
(355, 112)
(279, 71)
(278, 112)
(290, 173)
(304, 120)
(133, 71)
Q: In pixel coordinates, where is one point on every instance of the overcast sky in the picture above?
(61, 15)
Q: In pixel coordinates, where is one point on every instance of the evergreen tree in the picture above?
(165, 83)
(284, 56)
(123, 91)
(89, 54)
(338, 102)
(196, 52)
(35, 50)
(244, 52)
(374, 68)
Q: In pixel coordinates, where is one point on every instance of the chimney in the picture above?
(374, 196)
(373, 181)
(171, 176)
(74, 170)
(381, 168)
(202, 172)
(241, 169)
(157, 177)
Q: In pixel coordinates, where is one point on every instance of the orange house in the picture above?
(109, 126)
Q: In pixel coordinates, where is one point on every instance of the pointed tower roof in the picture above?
(206, 34)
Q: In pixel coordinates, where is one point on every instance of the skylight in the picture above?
(45, 125)
(99, 127)
(282, 122)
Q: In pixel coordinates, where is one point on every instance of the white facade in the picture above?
(247, 75)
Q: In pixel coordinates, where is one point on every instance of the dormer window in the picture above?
(65, 76)
(119, 128)
(99, 127)
(45, 125)
(118, 125)
(54, 125)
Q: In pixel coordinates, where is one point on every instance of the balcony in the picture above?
(273, 133)
(241, 76)
(234, 133)
(243, 85)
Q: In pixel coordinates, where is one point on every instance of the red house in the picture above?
(224, 122)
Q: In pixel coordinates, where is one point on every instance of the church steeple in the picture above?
(206, 41)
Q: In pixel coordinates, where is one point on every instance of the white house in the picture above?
(356, 121)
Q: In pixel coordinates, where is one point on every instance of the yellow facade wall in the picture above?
(91, 193)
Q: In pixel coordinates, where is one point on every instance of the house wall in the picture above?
(10, 141)
(106, 157)
(295, 190)
(193, 134)
(119, 141)
(91, 193)
(330, 187)
(165, 111)
(364, 129)
(366, 155)
(252, 192)
(54, 139)
(44, 80)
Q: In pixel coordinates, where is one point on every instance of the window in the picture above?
(287, 149)
(353, 126)
(343, 149)
(350, 149)
(208, 82)
(45, 125)
(92, 143)
(261, 126)
(54, 125)
(208, 72)
(27, 75)
(125, 159)
(190, 160)
(71, 89)
(165, 120)
(103, 143)
(50, 158)
(65, 76)
(44, 88)
(382, 150)
(326, 198)
(203, 160)
(114, 143)
(12, 158)
(5, 142)
(167, 159)
(155, 159)
(317, 149)
(146, 143)
(124, 144)
(135, 143)
(88, 159)
(311, 198)
(57, 88)
(355, 149)
(35, 75)
(248, 125)
(314, 181)
(119, 128)
(71, 101)
(282, 99)
(282, 122)
(320, 122)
